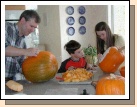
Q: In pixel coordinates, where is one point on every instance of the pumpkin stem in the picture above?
(112, 76)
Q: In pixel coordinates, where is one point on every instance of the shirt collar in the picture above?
(17, 30)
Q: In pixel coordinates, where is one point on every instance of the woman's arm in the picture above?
(119, 41)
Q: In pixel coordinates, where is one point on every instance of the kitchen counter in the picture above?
(53, 87)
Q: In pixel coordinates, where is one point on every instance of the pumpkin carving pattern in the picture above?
(41, 68)
(111, 60)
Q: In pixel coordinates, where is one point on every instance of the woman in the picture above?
(106, 39)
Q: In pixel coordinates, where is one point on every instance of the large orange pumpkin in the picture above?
(122, 71)
(41, 68)
(111, 85)
(111, 60)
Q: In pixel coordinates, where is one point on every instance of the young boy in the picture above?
(76, 59)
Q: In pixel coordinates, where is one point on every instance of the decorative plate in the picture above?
(82, 30)
(70, 20)
(82, 20)
(70, 10)
(70, 31)
(82, 10)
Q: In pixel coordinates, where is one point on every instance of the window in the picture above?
(33, 39)
(116, 17)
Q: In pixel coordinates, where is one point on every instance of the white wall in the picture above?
(52, 29)
(31, 39)
(93, 15)
(49, 29)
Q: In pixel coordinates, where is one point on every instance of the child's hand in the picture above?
(71, 68)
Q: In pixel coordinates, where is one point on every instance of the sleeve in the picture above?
(85, 62)
(62, 67)
(119, 41)
(7, 38)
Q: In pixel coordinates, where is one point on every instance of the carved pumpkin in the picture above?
(111, 85)
(122, 71)
(111, 60)
(41, 68)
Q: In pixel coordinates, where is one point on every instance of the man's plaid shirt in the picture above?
(12, 38)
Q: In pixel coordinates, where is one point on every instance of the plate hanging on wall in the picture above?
(82, 10)
(70, 31)
(82, 30)
(82, 20)
(70, 20)
(70, 10)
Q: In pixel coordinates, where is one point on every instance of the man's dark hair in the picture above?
(28, 14)
(72, 46)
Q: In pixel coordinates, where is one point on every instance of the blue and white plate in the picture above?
(82, 30)
(82, 10)
(70, 10)
(70, 20)
(70, 31)
(82, 20)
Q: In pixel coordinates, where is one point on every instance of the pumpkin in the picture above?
(111, 60)
(40, 68)
(111, 85)
(122, 71)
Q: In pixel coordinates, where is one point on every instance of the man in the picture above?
(15, 46)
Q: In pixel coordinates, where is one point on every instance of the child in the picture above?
(76, 59)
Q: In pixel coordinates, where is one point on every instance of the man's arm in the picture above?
(13, 51)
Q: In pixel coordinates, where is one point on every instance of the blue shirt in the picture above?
(12, 38)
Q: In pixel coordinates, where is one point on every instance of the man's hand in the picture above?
(32, 52)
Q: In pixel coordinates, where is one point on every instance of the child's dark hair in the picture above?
(72, 46)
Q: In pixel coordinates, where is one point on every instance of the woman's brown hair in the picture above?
(110, 40)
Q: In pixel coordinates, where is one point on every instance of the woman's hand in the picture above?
(121, 49)
(99, 56)
(118, 47)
